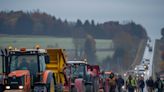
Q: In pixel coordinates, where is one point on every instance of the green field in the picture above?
(44, 42)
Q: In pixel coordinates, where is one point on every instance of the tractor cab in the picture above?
(32, 60)
(25, 68)
(78, 69)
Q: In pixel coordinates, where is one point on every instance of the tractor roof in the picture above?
(76, 62)
(28, 50)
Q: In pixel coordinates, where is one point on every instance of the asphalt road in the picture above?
(149, 55)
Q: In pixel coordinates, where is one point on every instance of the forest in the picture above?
(40, 23)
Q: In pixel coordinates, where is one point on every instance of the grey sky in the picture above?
(149, 13)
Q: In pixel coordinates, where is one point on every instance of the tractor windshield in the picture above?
(78, 70)
(24, 62)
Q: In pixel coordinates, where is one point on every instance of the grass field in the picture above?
(44, 42)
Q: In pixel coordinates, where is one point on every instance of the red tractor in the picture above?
(79, 78)
(25, 71)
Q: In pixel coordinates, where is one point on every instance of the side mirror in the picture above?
(47, 59)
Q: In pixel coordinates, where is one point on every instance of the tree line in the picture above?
(40, 23)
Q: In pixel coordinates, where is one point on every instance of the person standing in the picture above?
(141, 84)
(159, 85)
(150, 84)
(120, 83)
(112, 82)
(130, 84)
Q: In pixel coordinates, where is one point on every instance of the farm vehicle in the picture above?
(82, 77)
(35, 70)
(24, 70)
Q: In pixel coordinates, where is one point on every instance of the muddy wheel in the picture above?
(50, 84)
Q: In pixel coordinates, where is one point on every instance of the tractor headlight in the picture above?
(7, 87)
(125, 74)
(123, 87)
(20, 87)
(142, 75)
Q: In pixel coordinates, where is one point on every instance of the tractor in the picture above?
(24, 70)
(80, 76)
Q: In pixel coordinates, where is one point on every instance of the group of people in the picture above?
(155, 85)
(138, 84)
(114, 83)
(133, 83)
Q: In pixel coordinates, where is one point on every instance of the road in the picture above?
(149, 55)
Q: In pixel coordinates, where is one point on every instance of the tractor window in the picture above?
(24, 62)
(42, 63)
(67, 70)
(78, 70)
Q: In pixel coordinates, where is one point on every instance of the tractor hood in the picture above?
(19, 73)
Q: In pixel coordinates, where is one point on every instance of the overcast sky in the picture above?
(149, 13)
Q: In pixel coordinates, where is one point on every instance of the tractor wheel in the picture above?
(50, 84)
(89, 88)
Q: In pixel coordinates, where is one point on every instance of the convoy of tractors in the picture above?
(48, 70)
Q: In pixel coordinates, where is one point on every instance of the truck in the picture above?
(24, 70)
